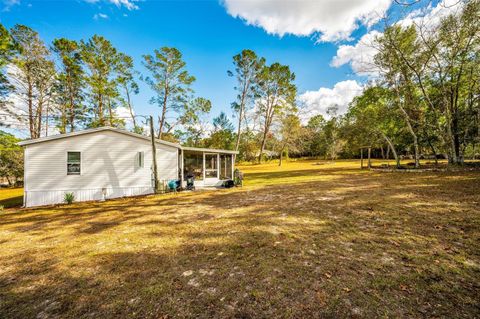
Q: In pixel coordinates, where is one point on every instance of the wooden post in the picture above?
(182, 168)
(369, 161)
(203, 168)
(154, 156)
(233, 165)
(218, 165)
(361, 158)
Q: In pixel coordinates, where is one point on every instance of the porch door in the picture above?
(211, 168)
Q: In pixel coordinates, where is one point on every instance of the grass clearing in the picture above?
(309, 239)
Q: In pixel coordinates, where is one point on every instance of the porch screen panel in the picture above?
(226, 167)
(211, 165)
(193, 164)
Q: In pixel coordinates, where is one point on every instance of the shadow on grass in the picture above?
(12, 202)
(360, 245)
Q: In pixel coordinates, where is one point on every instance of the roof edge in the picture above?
(121, 131)
(90, 131)
(213, 150)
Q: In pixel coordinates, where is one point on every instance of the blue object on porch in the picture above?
(173, 185)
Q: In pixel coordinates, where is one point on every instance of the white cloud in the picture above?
(429, 17)
(360, 55)
(129, 4)
(329, 20)
(98, 16)
(124, 113)
(7, 4)
(317, 102)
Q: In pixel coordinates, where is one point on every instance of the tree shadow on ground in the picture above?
(362, 245)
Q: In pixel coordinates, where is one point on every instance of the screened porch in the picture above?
(209, 167)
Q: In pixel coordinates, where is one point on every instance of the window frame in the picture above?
(140, 160)
(79, 163)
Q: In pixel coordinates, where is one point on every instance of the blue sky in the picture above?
(209, 33)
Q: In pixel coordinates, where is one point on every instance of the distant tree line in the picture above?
(424, 101)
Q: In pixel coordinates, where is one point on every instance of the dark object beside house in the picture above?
(238, 178)
(174, 185)
(190, 182)
(228, 184)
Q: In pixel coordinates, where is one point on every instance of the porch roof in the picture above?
(208, 150)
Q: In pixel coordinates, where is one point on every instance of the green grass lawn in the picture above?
(308, 239)
(11, 197)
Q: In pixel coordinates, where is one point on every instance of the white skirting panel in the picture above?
(40, 198)
(209, 182)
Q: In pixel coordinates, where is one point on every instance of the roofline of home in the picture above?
(93, 130)
(212, 150)
(113, 129)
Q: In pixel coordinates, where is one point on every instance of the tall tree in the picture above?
(222, 123)
(7, 51)
(290, 134)
(396, 46)
(33, 78)
(374, 119)
(276, 94)
(332, 133)
(171, 82)
(193, 123)
(69, 86)
(101, 60)
(11, 158)
(247, 68)
(315, 134)
(444, 60)
(222, 136)
(128, 85)
(190, 113)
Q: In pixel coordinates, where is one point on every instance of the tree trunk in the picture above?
(100, 111)
(110, 112)
(164, 112)
(262, 148)
(411, 131)
(433, 151)
(394, 152)
(39, 113)
(46, 121)
(130, 107)
(71, 108)
(240, 113)
(30, 110)
(281, 158)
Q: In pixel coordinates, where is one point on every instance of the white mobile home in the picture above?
(107, 162)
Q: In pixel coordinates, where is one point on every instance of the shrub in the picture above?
(69, 198)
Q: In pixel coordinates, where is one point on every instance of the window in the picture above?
(73, 163)
(140, 159)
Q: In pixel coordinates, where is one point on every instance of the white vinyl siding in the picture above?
(108, 160)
